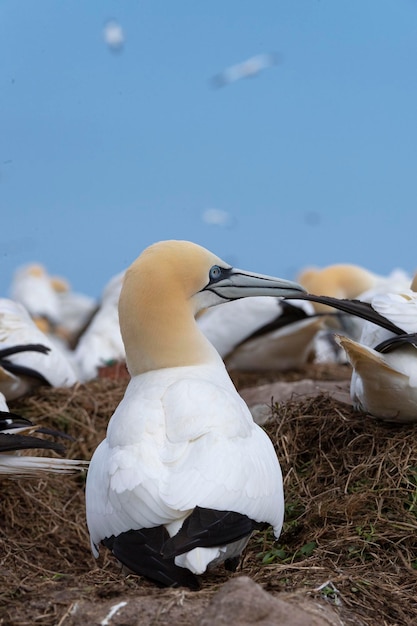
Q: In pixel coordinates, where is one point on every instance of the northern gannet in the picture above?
(184, 475)
(28, 357)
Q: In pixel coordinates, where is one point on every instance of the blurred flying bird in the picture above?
(113, 35)
(218, 217)
(247, 69)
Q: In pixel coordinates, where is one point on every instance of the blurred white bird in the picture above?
(342, 280)
(75, 312)
(47, 300)
(28, 358)
(384, 377)
(101, 342)
(184, 475)
(31, 286)
(262, 333)
(247, 69)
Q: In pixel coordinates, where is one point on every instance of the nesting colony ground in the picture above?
(348, 543)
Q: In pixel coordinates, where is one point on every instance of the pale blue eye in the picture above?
(215, 272)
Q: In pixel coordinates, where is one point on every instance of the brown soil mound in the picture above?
(349, 538)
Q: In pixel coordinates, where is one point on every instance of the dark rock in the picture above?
(244, 602)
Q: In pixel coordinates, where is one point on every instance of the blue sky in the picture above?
(102, 152)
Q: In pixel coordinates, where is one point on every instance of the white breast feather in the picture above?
(179, 440)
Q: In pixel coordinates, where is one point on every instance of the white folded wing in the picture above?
(181, 438)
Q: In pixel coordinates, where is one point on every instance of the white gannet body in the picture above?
(184, 475)
(32, 287)
(28, 358)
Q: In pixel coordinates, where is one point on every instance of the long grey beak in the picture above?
(233, 284)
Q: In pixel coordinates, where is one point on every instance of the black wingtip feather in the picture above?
(354, 307)
(22, 370)
(393, 343)
(29, 347)
(140, 551)
(206, 528)
(11, 442)
(13, 420)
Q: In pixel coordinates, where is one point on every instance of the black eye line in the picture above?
(224, 273)
(217, 293)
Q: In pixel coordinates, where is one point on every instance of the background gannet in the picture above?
(262, 333)
(384, 376)
(32, 287)
(101, 341)
(57, 311)
(341, 280)
(184, 474)
(345, 281)
(23, 366)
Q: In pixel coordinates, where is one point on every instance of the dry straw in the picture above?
(349, 537)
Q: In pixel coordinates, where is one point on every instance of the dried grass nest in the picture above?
(349, 536)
